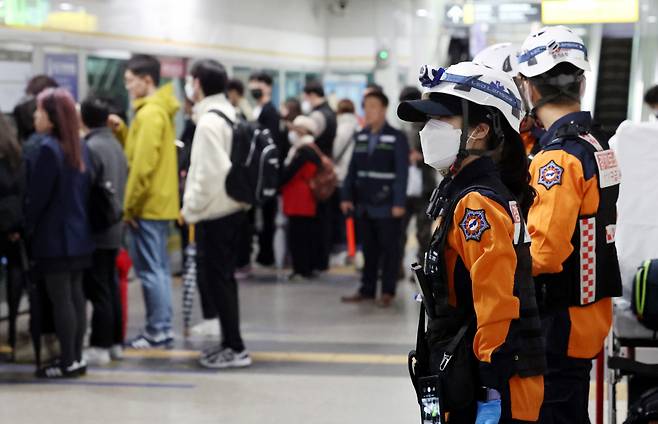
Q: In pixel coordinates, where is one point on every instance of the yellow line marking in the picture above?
(305, 357)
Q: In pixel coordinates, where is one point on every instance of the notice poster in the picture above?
(63, 68)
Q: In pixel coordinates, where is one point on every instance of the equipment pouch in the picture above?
(451, 360)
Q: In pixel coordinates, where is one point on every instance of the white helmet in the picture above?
(469, 81)
(549, 46)
(500, 56)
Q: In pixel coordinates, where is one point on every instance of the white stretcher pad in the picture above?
(636, 146)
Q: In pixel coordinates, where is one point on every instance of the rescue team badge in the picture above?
(550, 175)
(474, 224)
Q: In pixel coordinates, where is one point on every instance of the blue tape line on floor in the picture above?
(100, 384)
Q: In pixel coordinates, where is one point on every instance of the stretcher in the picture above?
(636, 146)
(627, 335)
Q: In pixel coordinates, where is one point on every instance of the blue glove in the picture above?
(488, 412)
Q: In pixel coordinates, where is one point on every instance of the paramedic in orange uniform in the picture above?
(472, 114)
(571, 221)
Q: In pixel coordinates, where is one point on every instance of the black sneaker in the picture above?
(77, 369)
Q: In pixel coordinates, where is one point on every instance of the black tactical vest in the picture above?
(525, 343)
(591, 272)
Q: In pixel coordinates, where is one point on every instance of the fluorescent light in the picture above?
(66, 6)
(652, 19)
(422, 13)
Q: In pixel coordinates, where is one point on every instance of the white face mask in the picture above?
(440, 143)
(189, 88)
(306, 107)
(293, 138)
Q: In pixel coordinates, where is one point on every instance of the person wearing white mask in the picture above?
(299, 205)
(219, 219)
(479, 294)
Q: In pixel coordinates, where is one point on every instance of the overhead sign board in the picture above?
(492, 13)
(566, 12)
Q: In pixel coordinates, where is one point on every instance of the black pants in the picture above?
(266, 235)
(16, 277)
(302, 233)
(381, 251)
(246, 240)
(219, 239)
(208, 309)
(566, 391)
(101, 286)
(324, 238)
(67, 296)
(566, 382)
(338, 233)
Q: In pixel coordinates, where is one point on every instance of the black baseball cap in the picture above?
(432, 104)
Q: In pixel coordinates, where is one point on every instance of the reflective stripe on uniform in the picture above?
(376, 175)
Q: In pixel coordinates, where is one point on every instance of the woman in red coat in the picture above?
(299, 205)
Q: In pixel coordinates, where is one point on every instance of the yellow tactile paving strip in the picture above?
(306, 357)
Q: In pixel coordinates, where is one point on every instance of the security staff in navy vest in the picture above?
(375, 188)
(316, 107)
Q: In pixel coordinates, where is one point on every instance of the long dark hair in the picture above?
(60, 107)
(9, 147)
(512, 160)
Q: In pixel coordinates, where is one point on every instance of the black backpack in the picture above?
(645, 294)
(645, 410)
(254, 176)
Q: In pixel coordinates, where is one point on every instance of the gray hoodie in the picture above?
(108, 159)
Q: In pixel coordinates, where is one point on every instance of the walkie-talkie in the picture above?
(425, 289)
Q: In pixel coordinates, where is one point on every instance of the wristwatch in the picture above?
(487, 394)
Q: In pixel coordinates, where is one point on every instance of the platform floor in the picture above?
(316, 361)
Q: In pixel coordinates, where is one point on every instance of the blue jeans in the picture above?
(151, 262)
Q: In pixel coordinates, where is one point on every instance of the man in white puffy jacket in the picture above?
(218, 217)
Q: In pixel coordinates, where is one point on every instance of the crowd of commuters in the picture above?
(332, 164)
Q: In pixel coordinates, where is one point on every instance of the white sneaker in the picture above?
(206, 328)
(226, 358)
(116, 352)
(97, 356)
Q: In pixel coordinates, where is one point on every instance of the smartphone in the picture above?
(430, 408)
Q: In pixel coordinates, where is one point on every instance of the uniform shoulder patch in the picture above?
(550, 175)
(474, 224)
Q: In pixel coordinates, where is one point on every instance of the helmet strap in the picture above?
(561, 82)
(463, 140)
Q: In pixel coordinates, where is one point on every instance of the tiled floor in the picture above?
(316, 361)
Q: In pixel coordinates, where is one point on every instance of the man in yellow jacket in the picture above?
(151, 199)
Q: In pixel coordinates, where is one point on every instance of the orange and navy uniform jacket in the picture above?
(481, 262)
(565, 178)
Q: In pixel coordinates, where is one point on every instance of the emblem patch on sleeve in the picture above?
(550, 175)
(474, 224)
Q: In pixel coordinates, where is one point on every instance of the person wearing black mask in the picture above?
(260, 88)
